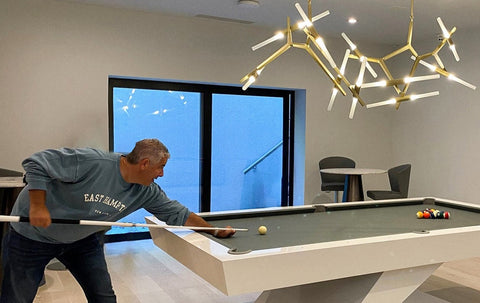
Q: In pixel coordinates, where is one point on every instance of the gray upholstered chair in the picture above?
(399, 178)
(334, 182)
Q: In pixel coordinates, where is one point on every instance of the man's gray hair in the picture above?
(151, 149)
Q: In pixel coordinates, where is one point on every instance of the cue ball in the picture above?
(262, 230)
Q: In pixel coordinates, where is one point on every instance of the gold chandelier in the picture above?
(314, 44)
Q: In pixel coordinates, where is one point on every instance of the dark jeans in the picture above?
(24, 262)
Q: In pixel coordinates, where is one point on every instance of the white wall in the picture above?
(441, 136)
(55, 59)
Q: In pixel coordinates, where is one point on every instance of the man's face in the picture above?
(152, 171)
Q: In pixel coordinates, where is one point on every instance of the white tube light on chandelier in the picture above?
(426, 64)
(420, 78)
(445, 32)
(300, 10)
(344, 62)
(381, 83)
(382, 103)
(426, 95)
(352, 109)
(349, 42)
(362, 72)
(332, 98)
(251, 79)
(458, 80)
(323, 47)
(278, 36)
(411, 98)
(320, 16)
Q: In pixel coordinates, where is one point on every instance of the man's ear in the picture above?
(144, 163)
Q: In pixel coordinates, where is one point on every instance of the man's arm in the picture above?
(195, 220)
(39, 214)
(40, 169)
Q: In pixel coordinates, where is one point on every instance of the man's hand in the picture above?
(224, 233)
(39, 214)
(195, 220)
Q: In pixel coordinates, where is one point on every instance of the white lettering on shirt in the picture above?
(100, 198)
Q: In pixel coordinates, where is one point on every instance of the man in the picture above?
(84, 184)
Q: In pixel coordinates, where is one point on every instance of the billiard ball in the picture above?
(446, 215)
(426, 214)
(262, 230)
(420, 214)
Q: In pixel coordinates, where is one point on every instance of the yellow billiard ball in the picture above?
(262, 230)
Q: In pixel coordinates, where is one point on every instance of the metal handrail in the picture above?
(252, 166)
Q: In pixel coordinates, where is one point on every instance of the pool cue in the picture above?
(121, 224)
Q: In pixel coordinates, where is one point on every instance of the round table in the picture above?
(353, 190)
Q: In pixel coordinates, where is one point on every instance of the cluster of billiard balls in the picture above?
(431, 213)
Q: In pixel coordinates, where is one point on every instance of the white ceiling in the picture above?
(383, 21)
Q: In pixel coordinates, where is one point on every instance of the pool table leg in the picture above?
(390, 286)
(400, 283)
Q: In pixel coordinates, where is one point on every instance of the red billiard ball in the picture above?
(446, 215)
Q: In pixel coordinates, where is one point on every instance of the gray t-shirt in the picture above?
(86, 184)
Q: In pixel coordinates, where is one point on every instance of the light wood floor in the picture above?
(141, 272)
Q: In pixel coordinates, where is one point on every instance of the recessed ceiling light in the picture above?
(352, 20)
(248, 3)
